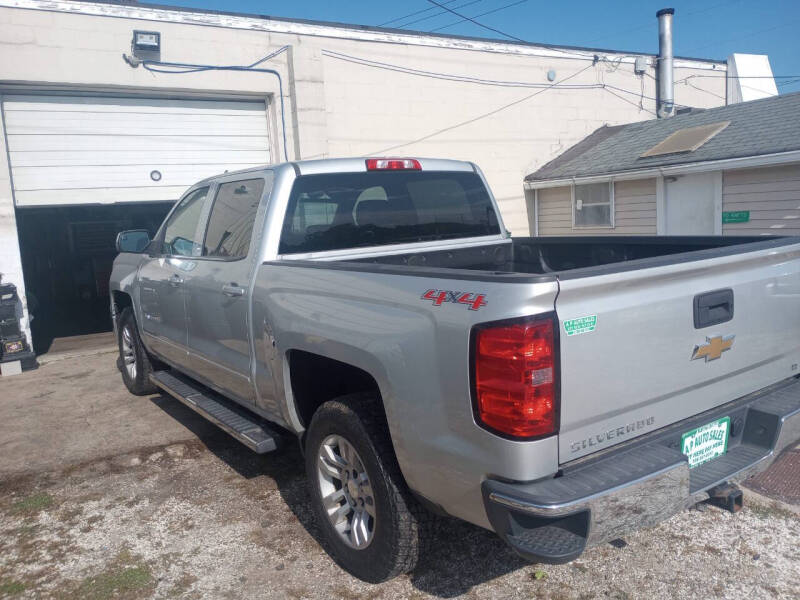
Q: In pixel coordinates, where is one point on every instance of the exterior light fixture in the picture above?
(146, 45)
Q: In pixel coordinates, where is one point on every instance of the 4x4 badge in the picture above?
(713, 348)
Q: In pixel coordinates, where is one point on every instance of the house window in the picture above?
(593, 205)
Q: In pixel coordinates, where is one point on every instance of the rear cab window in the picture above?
(351, 210)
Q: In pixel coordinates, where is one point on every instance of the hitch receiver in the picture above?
(726, 496)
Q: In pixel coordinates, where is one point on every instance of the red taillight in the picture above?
(393, 164)
(515, 378)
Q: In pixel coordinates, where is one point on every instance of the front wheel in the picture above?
(371, 524)
(134, 363)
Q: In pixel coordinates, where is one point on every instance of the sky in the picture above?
(702, 28)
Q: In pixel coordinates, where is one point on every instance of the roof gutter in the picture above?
(744, 162)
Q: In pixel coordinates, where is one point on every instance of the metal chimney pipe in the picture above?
(664, 74)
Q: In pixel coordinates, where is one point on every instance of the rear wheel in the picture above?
(134, 362)
(370, 522)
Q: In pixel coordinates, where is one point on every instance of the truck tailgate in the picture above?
(633, 359)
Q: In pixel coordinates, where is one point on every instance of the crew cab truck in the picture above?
(560, 392)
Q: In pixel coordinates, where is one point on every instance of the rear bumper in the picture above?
(641, 483)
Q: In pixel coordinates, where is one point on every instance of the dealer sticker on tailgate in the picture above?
(707, 442)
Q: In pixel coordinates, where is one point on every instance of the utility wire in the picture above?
(172, 68)
(508, 35)
(471, 20)
(691, 85)
(737, 77)
(366, 62)
(483, 14)
(480, 117)
(743, 37)
(413, 14)
(438, 14)
(650, 23)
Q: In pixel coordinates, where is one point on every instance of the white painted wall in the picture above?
(341, 107)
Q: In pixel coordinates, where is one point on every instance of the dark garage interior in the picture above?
(67, 254)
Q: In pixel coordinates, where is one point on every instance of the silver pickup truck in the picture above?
(560, 392)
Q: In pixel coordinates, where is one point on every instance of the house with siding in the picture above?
(731, 170)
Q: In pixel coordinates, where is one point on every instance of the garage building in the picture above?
(96, 142)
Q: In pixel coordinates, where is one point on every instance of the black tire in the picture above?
(138, 383)
(399, 518)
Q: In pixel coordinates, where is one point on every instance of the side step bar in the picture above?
(246, 427)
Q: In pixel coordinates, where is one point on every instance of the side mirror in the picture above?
(134, 240)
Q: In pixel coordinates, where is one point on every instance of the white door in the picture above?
(693, 204)
(94, 149)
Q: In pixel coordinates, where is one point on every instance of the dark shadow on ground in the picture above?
(459, 556)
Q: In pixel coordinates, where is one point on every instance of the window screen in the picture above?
(230, 225)
(350, 210)
(180, 233)
(592, 205)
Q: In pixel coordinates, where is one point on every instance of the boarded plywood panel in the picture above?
(93, 149)
(771, 194)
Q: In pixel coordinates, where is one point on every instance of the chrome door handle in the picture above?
(175, 280)
(232, 290)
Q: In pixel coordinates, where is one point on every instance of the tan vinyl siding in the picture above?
(771, 194)
(634, 205)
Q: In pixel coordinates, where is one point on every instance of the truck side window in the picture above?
(230, 226)
(180, 233)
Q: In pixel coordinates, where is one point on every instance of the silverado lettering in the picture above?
(611, 434)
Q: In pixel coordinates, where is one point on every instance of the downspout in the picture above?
(664, 72)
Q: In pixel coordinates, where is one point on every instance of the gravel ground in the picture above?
(212, 520)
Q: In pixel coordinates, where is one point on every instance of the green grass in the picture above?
(11, 588)
(770, 512)
(116, 583)
(32, 504)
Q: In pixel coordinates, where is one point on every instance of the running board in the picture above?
(246, 427)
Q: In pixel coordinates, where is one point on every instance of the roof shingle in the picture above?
(766, 126)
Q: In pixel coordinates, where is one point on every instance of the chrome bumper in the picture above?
(639, 484)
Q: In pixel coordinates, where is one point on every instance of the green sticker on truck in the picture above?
(580, 325)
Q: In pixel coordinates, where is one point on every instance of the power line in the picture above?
(366, 62)
(650, 23)
(694, 76)
(413, 14)
(689, 83)
(483, 14)
(480, 117)
(749, 35)
(508, 35)
(438, 14)
(471, 20)
(637, 105)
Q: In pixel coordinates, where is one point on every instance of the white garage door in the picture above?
(85, 150)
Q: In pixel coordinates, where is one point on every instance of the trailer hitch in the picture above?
(727, 496)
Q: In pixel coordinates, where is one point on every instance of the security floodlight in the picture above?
(146, 45)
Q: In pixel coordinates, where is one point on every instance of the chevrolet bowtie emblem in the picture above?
(713, 348)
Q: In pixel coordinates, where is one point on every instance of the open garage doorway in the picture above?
(67, 253)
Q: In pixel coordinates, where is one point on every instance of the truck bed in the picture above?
(569, 256)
